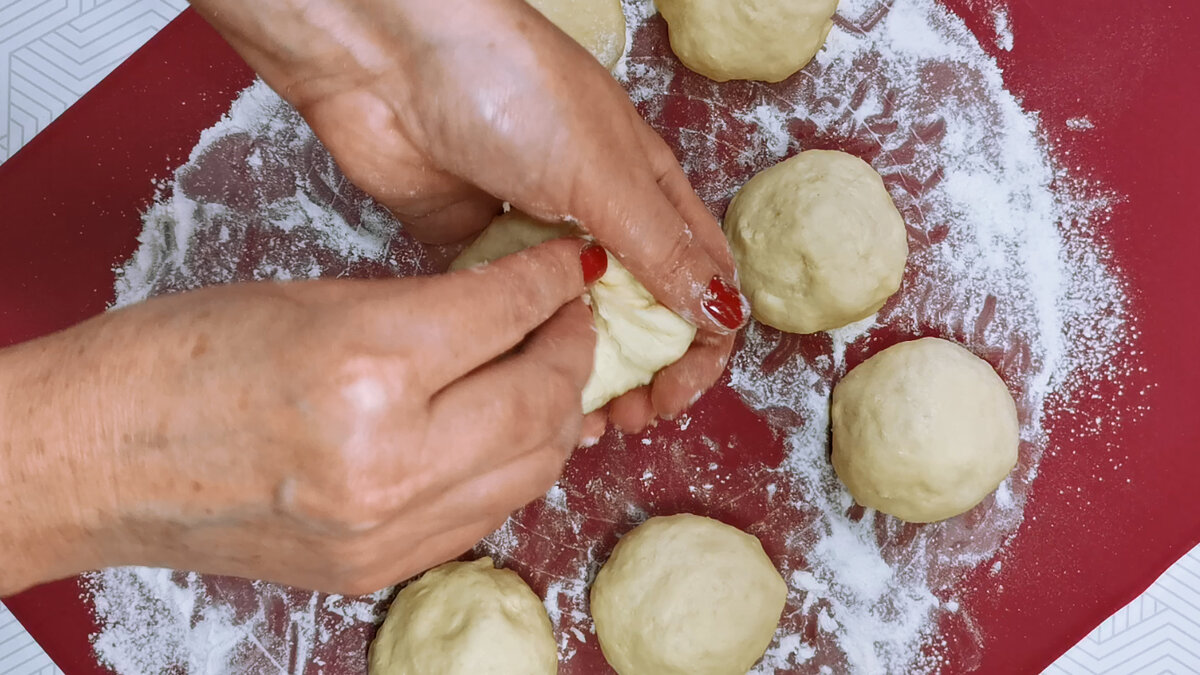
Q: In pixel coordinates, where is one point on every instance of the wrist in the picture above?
(55, 494)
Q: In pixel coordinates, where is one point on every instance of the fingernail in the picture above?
(588, 442)
(595, 263)
(724, 304)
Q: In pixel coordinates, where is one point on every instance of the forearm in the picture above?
(55, 500)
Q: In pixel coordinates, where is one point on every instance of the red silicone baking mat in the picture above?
(1116, 91)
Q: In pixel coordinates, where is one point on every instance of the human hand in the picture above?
(334, 435)
(442, 108)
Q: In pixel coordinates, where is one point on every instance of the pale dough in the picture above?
(597, 25)
(818, 242)
(635, 335)
(686, 595)
(923, 430)
(465, 618)
(747, 39)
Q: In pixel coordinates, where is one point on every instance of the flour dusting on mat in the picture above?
(1003, 26)
(1004, 259)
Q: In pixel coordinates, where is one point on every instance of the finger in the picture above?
(483, 312)
(594, 425)
(678, 386)
(651, 238)
(632, 412)
(678, 189)
(525, 400)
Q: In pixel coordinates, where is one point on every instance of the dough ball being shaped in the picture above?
(747, 39)
(465, 618)
(818, 242)
(597, 25)
(635, 336)
(686, 595)
(923, 430)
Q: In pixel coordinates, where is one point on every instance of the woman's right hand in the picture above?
(334, 435)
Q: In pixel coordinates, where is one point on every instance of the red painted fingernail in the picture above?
(595, 263)
(724, 304)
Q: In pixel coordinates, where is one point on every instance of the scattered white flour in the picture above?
(556, 498)
(1003, 26)
(157, 621)
(636, 13)
(1080, 124)
(1004, 259)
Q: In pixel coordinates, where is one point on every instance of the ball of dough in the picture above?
(597, 25)
(747, 39)
(818, 242)
(635, 336)
(923, 430)
(686, 595)
(465, 618)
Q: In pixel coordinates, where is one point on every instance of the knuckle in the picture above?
(359, 512)
(520, 410)
(351, 391)
(564, 388)
(674, 250)
(554, 260)
(343, 498)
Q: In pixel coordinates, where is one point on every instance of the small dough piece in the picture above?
(818, 242)
(765, 40)
(923, 430)
(597, 25)
(507, 234)
(635, 336)
(686, 595)
(465, 618)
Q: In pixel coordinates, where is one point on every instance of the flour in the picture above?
(158, 621)
(1002, 261)
(1080, 124)
(637, 12)
(1003, 25)
(1005, 260)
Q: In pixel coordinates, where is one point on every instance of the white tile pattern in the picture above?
(19, 654)
(52, 51)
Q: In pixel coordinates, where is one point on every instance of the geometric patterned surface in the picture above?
(1159, 632)
(53, 51)
(19, 654)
